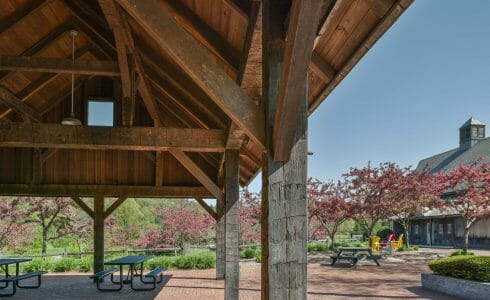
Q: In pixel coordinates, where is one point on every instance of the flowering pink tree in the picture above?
(54, 215)
(179, 225)
(249, 216)
(14, 231)
(409, 193)
(367, 192)
(469, 187)
(329, 206)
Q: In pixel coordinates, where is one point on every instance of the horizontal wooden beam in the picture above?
(68, 190)
(111, 138)
(58, 65)
(188, 54)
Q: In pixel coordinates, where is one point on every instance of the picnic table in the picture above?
(133, 262)
(354, 254)
(14, 279)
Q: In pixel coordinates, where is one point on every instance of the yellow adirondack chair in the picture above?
(398, 243)
(375, 243)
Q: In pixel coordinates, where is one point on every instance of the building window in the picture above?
(449, 228)
(416, 229)
(440, 229)
(100, 112)
(481, 132)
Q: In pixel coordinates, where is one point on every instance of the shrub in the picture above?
(85, 264)
(65, 265)
(199, 261)
(248, 253)
(461, 252)
(37, 264)
(258, 256)
(195, 262)
(317, 246)
(160, 261)
(463, 266)
(383, 232)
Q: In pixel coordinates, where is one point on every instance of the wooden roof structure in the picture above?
(152, 80)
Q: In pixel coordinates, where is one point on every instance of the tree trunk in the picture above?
(332, 241)
(44, 241)
(79, 248)
(466, 238)
(406, 230)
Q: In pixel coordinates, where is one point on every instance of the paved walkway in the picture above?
(397, 278)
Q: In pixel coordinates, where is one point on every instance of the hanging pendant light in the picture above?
(71, 120)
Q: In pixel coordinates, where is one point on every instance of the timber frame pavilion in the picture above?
(206, 94)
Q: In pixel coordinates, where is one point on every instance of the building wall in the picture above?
(449, 231)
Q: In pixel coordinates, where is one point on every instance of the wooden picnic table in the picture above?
(15, 279)
(354, 254)
(132, 261)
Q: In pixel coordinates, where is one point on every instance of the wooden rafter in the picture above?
(203, 32)
(89, 137)
(27, 9)
(112, 15)
(87, 190)
(321, 68)
(62, 95)
(204, 205)
(165, 80)
(45, 42)
(98, 35)
(252, 20)
(124, 38)
(192, 58)
(304, 18)
(199, 174)
(13, 102)
(58, 65)
(388, 19)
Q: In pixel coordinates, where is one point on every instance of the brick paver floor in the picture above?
(397, 278)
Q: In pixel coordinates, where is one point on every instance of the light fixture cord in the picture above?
(73, 76)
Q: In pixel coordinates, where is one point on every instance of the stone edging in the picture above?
(462, 288)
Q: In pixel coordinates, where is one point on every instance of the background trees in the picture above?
(468, 194)
(249, 217)
(410, 193)
(367, 192)
(328, 204)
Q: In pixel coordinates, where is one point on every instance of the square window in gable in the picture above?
(100, 112)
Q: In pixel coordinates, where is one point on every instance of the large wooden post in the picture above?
(284, 209)
(232, 224)
(220, 241)
(98, 233)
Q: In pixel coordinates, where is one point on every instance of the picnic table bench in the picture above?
(132, 262)
(15, 279)
(354, 255)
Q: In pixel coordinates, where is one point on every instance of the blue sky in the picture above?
(409, 95)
